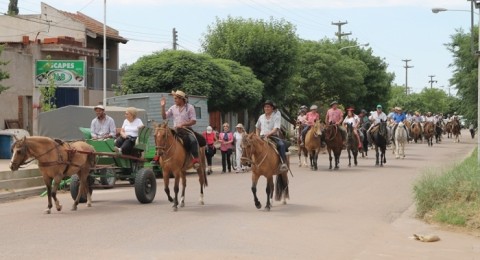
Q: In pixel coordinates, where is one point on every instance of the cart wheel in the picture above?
(145, 185)
(109, 179)
(74, 185)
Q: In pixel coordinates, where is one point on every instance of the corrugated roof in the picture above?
(95, 26)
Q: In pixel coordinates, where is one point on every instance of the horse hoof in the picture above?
(59, 208)
(47, 211)
(397, 157)
(89, 205)
(74, 208)
(259, 205)
(267, 208)
(201, 202)
(182, 204)
(175, 209)
(284, 202)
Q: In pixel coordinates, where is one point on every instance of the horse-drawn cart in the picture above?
(110, 167)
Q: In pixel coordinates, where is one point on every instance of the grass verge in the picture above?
(451, 196)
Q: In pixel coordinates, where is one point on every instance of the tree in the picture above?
(3, 74)
(465, 76)
(197, 74)
(269, 48)
(13, 7)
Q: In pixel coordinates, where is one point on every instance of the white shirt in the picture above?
(131, 128)
(354, 120)
(267, 125)
(375, 117)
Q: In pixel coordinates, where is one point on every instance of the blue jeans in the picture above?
(280, 147)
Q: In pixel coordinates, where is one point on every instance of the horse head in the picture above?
(20, 153)
(382, 128)
(317, 128)
(163, 138)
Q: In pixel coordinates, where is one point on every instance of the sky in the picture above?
(395, 30)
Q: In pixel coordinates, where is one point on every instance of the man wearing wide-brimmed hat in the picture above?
(268, 126)
(184, 117)
(102, 126)
(335, 115)
(398, 117)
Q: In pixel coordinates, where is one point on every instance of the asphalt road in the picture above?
(362, 212)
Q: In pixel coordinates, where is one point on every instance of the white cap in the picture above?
(209, 129)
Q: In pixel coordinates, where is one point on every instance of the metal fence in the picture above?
(95, 78)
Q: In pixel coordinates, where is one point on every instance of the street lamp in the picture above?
(354, 46)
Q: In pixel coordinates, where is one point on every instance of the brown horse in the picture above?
(416, 132)
(265, 161)
(56, 160)
(334, 141)
(301, 147)
(175, 160)
(313, 143)
(352, 145)
(429, 132)
(448, 129)
(456, 130)
(408, 125)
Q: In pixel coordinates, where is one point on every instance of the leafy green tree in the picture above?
(465, 76)
(3, 74)
(269, 48)
(13, 7)
(196, 74)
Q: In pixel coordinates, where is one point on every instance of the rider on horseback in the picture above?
(310, 119)
(398, 117)
(353, 119)
(268, 126)
(375, 117)
(335, 115)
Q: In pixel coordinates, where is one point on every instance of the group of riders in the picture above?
(368, 122)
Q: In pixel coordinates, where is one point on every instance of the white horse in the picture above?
(400, 140)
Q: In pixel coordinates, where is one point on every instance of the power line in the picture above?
(406, 74)
(339, 33)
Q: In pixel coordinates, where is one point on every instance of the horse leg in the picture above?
(355, 155)
(349, 158)
(330, 158)
(57, 179)
(184, 185)
(254, 190)
(337, 158)
(176, 190)
(166, 180)
(315, 159)
(377, 154)
(269, 190)
(48, 184)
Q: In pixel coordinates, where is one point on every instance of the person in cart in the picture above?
(102, 126)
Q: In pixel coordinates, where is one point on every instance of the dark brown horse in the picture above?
(313, 143)
(379, 138)
(448, 129)
(429, 132)
(175, 160)
(265, 161)
(416, 132)
(301, 147)
(438, 131)
(456, 128)
(56, 160)
(352, 145)
(334, 141)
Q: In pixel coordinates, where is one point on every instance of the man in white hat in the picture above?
(184, 117)
(102, 126)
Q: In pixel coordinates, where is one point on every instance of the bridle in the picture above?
(248, 150)
(332, 136)
(25, 151)
(162, 147)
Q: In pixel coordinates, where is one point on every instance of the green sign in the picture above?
(64, 73)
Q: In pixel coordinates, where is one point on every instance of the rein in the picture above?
(336, 131)
(249, 159)
(172, 144)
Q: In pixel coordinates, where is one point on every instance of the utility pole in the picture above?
(339, 34)
(406, 74)
(431, 81)
(175, 38)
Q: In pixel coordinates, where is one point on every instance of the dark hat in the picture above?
(269, 102)
(363, 111)
(333, 103)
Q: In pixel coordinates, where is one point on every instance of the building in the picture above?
(61, 36)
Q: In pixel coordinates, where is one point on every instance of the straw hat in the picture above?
(240, 125)
(99, 106)
(179, 94)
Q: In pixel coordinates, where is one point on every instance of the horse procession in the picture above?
(97, 163)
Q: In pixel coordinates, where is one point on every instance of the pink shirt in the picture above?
(311, 117)
(224, 147)
(334, 115)
(181, 115)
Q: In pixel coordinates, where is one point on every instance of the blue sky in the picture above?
(395, 29)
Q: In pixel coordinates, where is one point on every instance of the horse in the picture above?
(352, 145)
(334, 141)
(417, 132)
(456, 130)
(313, 143)
(429, 132)
(56, 160)
(301, 147)
(438, 131)
(175, 160)
(365, 143)
(448, 129)
(408, 125)
(400, 140)
(379, 138)
(265, 161)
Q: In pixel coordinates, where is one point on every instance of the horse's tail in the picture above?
(92, 159)
(281, 185)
